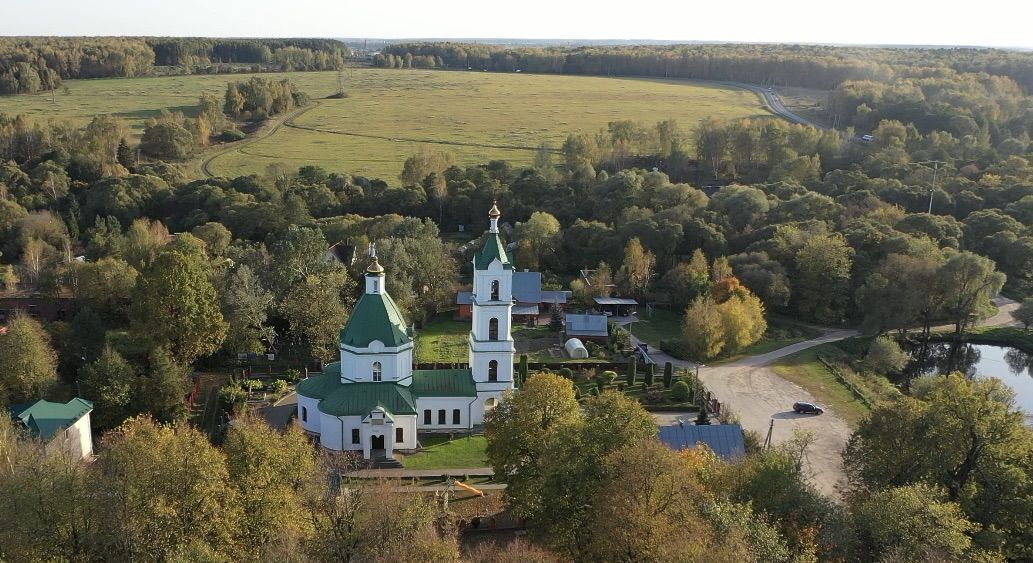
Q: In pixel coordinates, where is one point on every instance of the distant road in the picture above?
(774, 103)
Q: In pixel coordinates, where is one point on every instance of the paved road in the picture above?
(774, 103)
(278, 415)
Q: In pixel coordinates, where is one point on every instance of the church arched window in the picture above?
(493, 370)
(494, 290)
(378, 372)
(493, 329)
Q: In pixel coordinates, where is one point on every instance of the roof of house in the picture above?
(375, 317)
(586, 325)
(46, 419)
(615, 301)
(525, 309)
(726, 440)
(549, 296)
(358, 399)
(527, 287)
(493, 249)
(443, 383)
(464, 298)
(343, 252)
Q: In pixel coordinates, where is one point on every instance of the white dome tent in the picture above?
(576, 349)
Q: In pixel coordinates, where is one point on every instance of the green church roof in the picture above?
(319, 386)
(493, 249)
(375, 317)
(46, 419)
(358, 399)
(443, 383)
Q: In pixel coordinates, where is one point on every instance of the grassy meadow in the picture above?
(392, 114)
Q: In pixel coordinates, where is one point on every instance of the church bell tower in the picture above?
(491, 341)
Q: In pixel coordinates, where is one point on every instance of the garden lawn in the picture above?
(440, 453)
(663, 324)
(443, 340)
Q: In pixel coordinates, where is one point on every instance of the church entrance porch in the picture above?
(377, 448)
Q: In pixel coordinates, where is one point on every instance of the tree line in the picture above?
(811, 66)
(31, 65)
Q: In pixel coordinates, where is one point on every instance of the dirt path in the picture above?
(285, 120)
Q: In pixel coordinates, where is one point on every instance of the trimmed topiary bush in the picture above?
(650, 374)
(567, 373)
(632, 370)
(680, 392)
(668, 375)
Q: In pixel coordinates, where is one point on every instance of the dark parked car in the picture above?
(801, 408)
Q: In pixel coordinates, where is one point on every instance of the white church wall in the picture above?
(335, 427)
(395, 363)
(308, 414)
(447, 404)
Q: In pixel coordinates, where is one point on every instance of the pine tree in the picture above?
(124, 154)
(555, 319)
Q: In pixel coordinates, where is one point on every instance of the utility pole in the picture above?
(936, 170)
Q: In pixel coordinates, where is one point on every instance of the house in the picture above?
(373, 401)
(726, 440)
(587, 326)
(62, 426)
(531, 301)
(341, 253)
(616, 306)
(57, 308)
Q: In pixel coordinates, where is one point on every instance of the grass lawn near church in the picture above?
(441, 453)
(443, 340)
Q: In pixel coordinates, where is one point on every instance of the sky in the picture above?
(997, 23)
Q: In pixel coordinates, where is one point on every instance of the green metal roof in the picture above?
(319, 386)
(493, 248)
(443, 383)
(375, 317)
(358, 399)
(46, 419)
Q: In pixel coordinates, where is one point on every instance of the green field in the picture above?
(392, 114)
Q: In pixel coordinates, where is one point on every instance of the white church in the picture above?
(374, 401)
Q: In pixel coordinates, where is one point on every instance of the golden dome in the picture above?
(494, 213)
(375, 267)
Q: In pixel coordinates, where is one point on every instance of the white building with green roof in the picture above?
(373, 401)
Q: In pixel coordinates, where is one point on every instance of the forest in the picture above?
(31, 65)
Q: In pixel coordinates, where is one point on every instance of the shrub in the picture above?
(650, 374)
(278, 387)
(522, 370)
(292, 375)
(231, 135)
(567, 373)
(620, 387)
(607, 376)
(632, 369)
(654, 397)
(668, 375)
(680, 392)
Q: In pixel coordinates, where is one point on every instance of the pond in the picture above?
(1013, 367)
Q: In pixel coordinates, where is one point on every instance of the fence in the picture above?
(857, 393)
